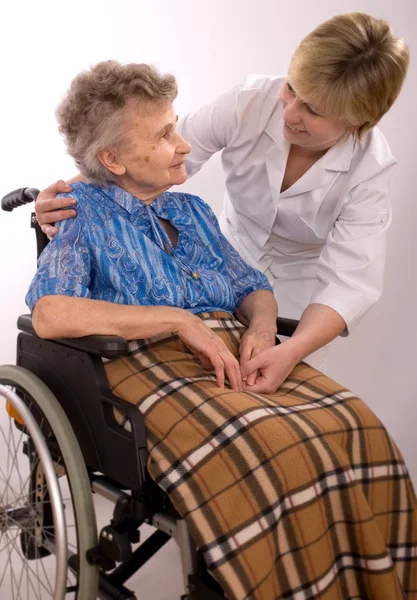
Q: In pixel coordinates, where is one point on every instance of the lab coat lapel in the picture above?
(327, 169)
(277, 155)
(311, 180)
(276, 160)
(337, 159)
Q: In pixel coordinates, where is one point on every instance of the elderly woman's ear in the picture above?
(111, 161)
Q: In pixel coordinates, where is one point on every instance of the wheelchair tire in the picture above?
(30, 526)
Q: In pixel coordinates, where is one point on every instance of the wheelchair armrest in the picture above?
(111, 346)
(286, 327)
(108, 346)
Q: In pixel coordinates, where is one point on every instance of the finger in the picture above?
(245, 353)
(224, 359)
(267, 382)
(251, 379)
(247, 374)
(59, 187)
(234, 375)
(55, 217)
(250, 367)
(261, 386)
(219, 370)
(233, 379)
(232, 368)
(256, 351)
(239, 374)
(49, 230)
(46, 205)
(240, 380)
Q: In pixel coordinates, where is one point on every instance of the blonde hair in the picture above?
(351, 67)
(92, 115)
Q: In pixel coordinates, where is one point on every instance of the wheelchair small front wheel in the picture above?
(46, 508)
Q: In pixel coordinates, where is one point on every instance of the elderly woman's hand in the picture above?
(210, 350)
(253, 341)
(50, 209)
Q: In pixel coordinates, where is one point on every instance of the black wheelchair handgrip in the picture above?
(18, 198)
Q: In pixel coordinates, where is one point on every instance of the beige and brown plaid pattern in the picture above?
(297, 495)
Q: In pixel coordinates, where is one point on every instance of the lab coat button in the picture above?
(383, 217)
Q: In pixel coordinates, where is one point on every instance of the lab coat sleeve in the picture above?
(231, 120)
(210, 129)
(351, 265)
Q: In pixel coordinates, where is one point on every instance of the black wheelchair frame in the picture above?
(115, 458)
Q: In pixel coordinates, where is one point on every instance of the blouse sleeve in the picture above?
(350, 268)
(64, 266)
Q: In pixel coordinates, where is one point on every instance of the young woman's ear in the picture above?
(353, 128)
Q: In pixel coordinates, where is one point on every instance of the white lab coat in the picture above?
(322, 240)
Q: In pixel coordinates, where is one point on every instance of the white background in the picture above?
(209, 45)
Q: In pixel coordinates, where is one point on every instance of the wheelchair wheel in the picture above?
(47, 519)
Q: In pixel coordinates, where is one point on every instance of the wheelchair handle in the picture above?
(18, 198)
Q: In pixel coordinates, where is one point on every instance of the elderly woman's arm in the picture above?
(259, 312)
(260, 309)
(58, 316)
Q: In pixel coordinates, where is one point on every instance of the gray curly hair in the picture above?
(91, 116)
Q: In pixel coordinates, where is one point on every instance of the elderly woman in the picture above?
(307, 179)
(296, 494)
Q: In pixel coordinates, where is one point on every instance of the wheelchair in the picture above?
(60, 444)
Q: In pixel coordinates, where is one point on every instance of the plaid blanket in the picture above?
(300, 494)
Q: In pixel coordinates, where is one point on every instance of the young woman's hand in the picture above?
(272, 367)
(50, 209)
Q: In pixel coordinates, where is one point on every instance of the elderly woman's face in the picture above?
(304, 126)
(154, 155)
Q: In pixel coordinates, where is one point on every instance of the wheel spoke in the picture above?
(13, 580)
(34, 525)
(8, 543)
(9, 444)
(36, 574)
(71, 579)
(7, 477)
(6, 481)
(20, 581)
(42, 563)
(16, 444)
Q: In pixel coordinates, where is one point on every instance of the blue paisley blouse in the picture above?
(117, 250)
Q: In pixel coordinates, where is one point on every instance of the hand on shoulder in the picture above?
(50, 209)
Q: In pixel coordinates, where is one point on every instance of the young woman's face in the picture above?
(304, 125)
